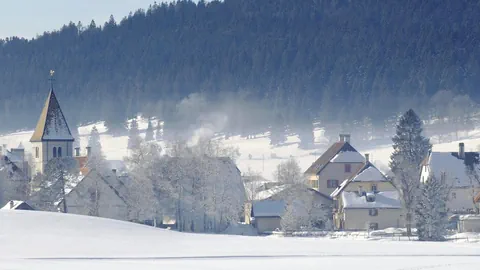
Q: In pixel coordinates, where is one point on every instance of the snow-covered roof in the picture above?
(385, 199)
(268, 208)
(265, 194)
(348, 156)
(12, 205)
(370, 174)
(469, 217)
(454, 168)
(52, 124)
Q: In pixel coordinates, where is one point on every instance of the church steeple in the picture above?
(52, 125)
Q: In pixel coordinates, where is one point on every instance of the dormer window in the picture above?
(370, 197)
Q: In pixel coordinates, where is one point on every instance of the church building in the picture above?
(52, 137)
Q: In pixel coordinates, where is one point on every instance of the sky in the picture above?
(27, 18)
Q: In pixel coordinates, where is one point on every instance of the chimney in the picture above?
(77, 151)
(461, 150)
(89, 150)
(341, 138)
(12, 204)
(347, 138)
(367, 157)
(114, 171)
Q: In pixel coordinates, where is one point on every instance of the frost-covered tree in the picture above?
(252, 182)
(146, 167)
(159, 131)
(303, 209)
(61, 174)
(410, 147)
(431, 210)
(289, 172)
(149, 132)
(133, 135)
(94, 142)
(194, 184)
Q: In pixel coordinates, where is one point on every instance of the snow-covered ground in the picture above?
(264, 158)
(41, 240)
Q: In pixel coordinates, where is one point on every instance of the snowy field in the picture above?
(40, 240)
(264, 158)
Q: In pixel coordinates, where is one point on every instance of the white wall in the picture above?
(358, 219)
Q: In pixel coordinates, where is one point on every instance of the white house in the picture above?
(460, 170)
(99, 194)
(367, 200)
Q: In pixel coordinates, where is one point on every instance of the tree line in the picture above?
(330, 60)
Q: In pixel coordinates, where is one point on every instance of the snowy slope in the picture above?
(264, 158)
(40, 240)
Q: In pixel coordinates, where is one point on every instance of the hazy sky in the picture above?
(27, 18)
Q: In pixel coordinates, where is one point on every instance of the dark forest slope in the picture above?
(331, 59)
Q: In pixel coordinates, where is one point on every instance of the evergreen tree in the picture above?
(94, 142)
(431, 211)
(305, 132)
(133, 135)
(149, 132)
(277, 131)
(409, 150)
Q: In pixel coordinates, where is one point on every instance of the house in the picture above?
(460, 171)
(101, 194)
(14, 183)
(367, 200)
(266, 215)
(469, 223)
(17, 205)
(339, 162)
(52, 137)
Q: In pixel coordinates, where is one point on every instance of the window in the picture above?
(59, 151)
(454, 195)
(348, 168)
(374, 188)
(373, 226)
(54, 152)
(332, 183)
(373, 212)
(37, 152)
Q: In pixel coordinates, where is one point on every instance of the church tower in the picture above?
(52, 137)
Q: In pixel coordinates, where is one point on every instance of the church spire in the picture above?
(52, 125)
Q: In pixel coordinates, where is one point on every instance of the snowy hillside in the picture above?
(41, 240)
(264, 158)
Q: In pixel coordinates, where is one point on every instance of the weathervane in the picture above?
(52, 79)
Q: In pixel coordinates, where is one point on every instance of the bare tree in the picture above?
(289, 172)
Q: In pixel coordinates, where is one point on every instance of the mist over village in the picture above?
(224, 134)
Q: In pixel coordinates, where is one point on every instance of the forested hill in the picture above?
(329, 59)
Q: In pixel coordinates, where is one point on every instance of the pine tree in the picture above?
(133, 135)
(94, 142)
(409, 150)
(149, 132)
(431, 211)
(277, 131)
(305, 132)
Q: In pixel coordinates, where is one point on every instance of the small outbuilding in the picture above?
(17, 205)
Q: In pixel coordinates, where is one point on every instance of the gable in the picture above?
(339, 152)
(81, 192)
